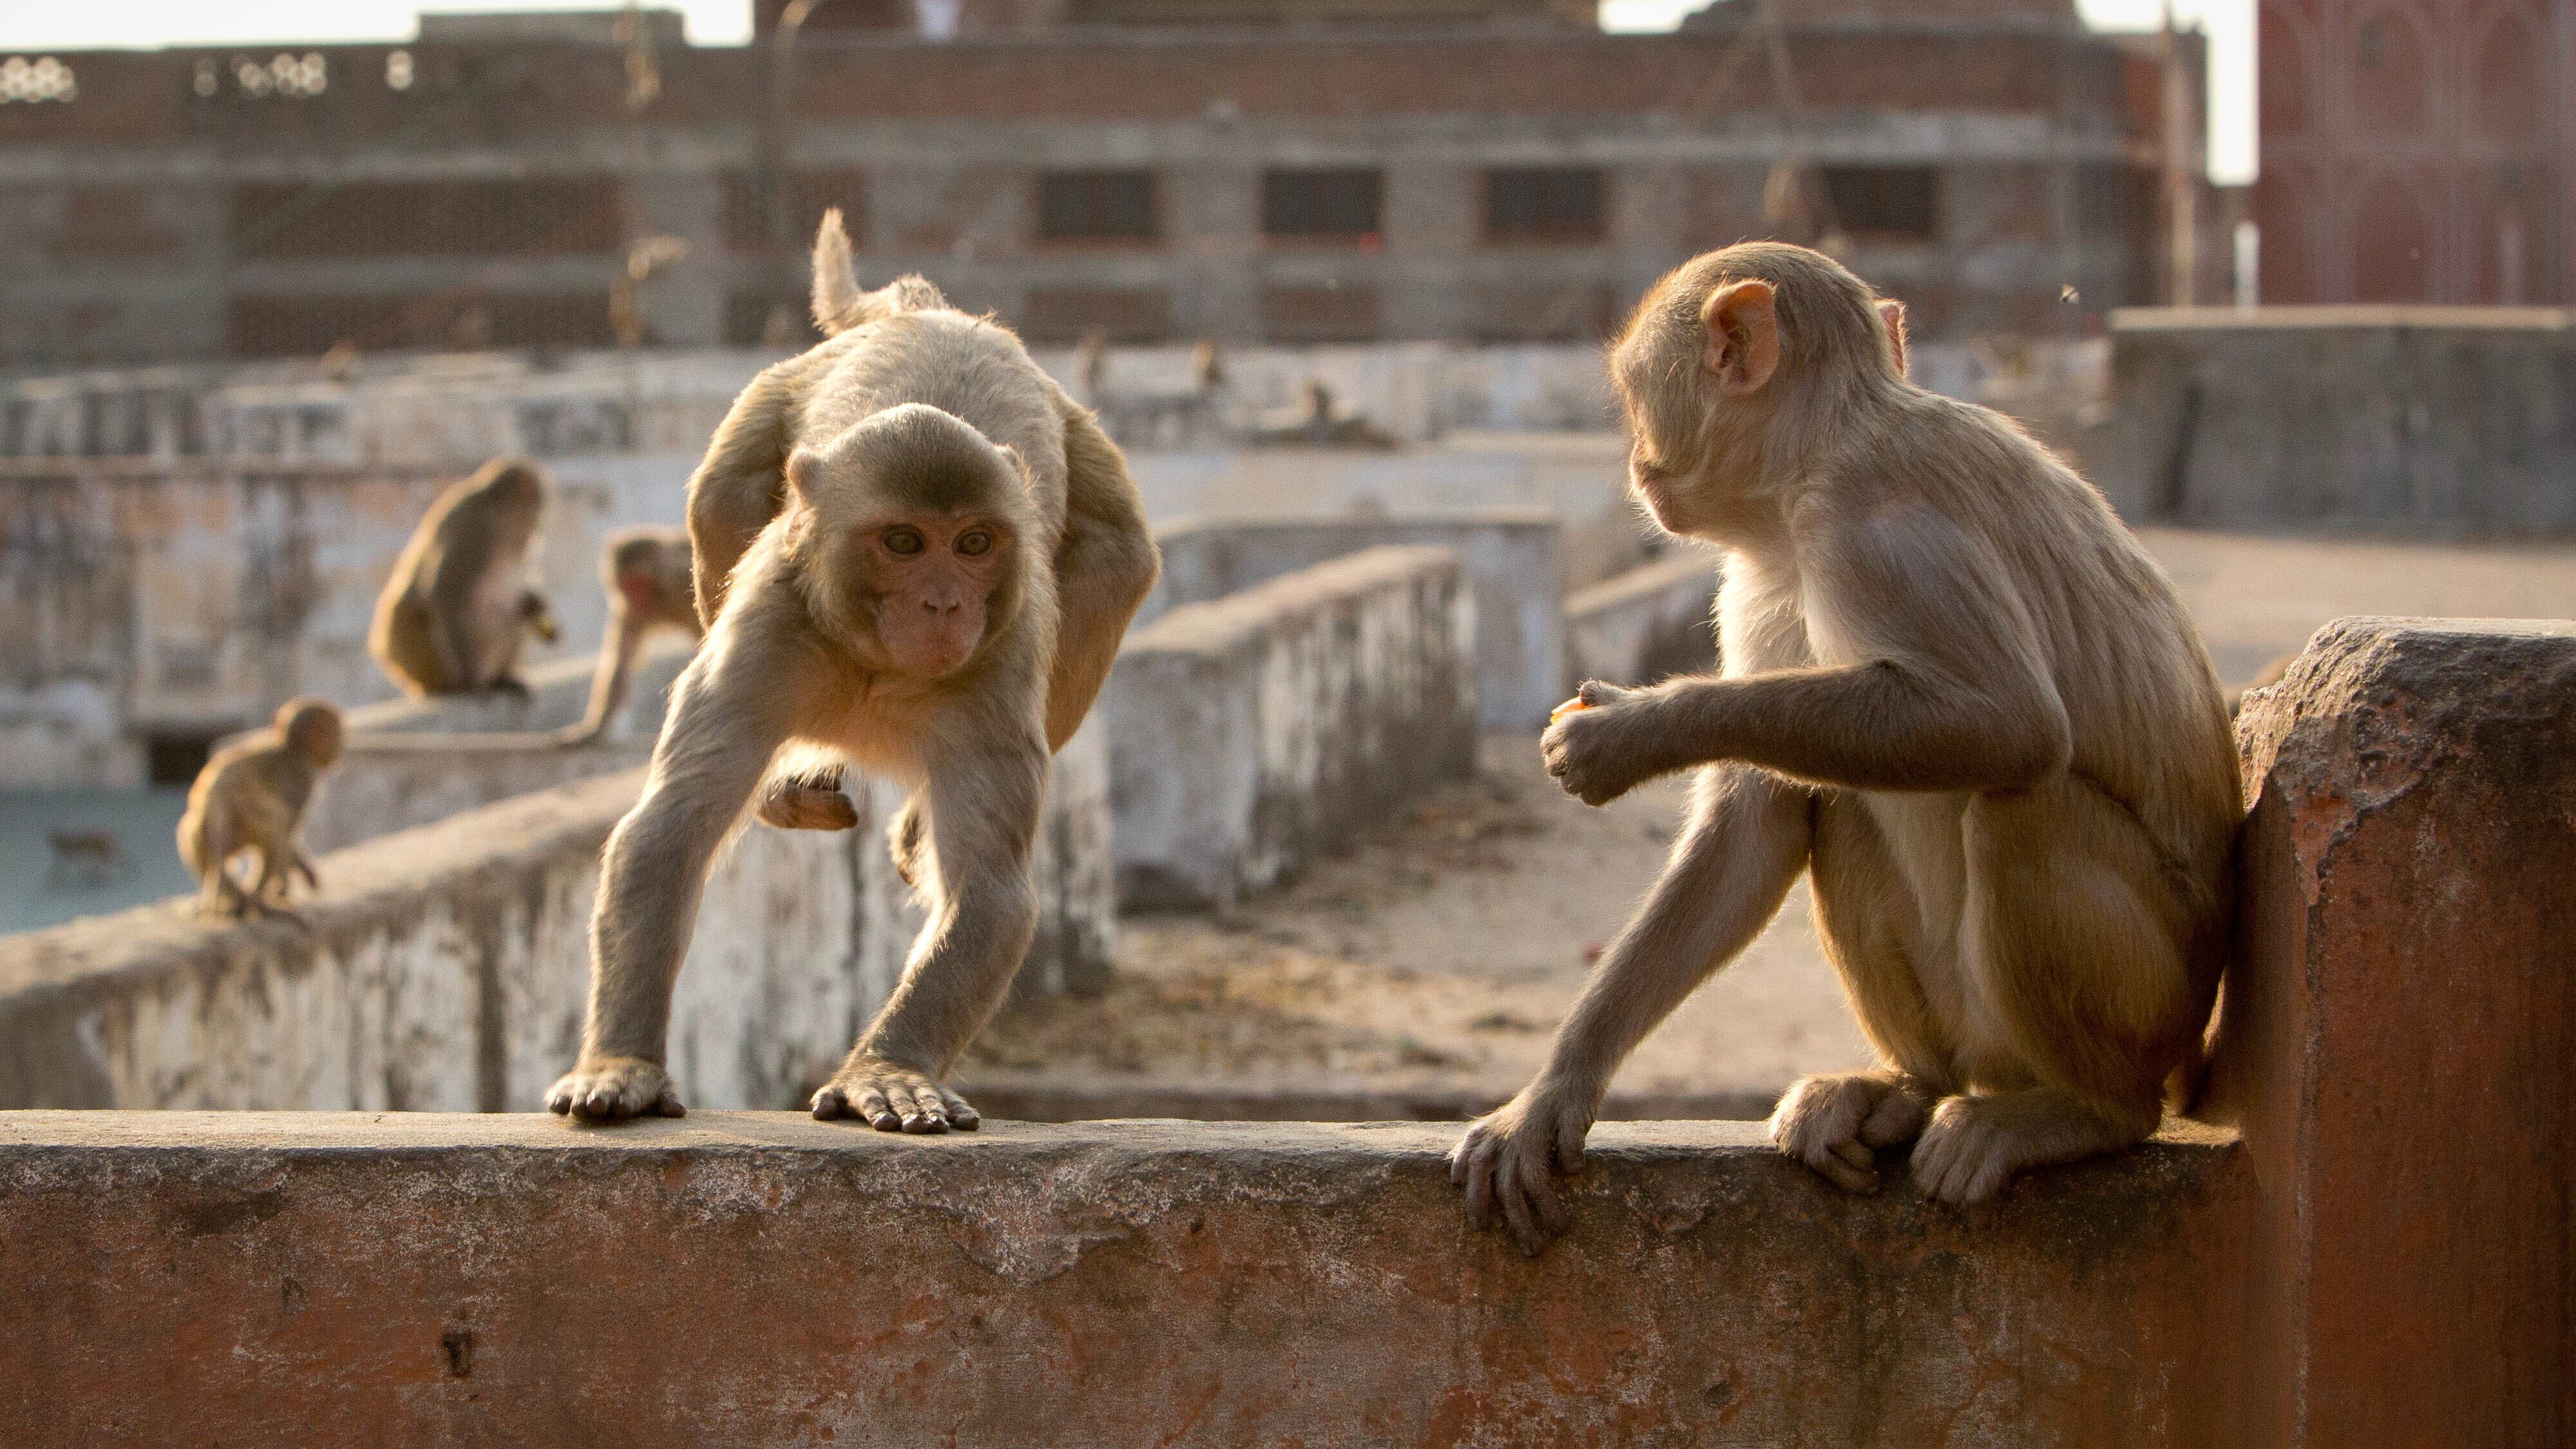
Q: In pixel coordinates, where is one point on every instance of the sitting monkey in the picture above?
(915, 552)
(452, 618)
(251, 796)
(1958, 695)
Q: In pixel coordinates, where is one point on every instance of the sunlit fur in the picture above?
(457, 609)
(909, 411)
(1956, 691)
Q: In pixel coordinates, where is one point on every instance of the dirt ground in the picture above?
(1438, 956)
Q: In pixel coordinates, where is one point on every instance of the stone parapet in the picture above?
(1514, 558)
(1646, 624)
(1250, 734)
(757, 1278)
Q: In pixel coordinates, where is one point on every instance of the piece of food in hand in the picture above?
(1567, 708)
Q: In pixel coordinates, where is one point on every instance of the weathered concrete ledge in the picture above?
(755, 1278)
(374, 792)
(1514, 557)
(1251, 733)
(1646, 624)
(444, 968)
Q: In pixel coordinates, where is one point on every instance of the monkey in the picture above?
(251, 796)
(648, 578)
(915, 552)
(1958, 695)
(452, 618)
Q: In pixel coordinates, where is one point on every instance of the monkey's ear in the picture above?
(1892, 312)
(801, 465)
(1743, 336)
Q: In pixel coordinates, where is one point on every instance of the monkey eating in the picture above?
(916, 553)
(251, 797)
(458, 608)
(1958, 695)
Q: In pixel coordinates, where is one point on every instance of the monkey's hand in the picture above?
(892, 1099)
(1507, 1159)
(612, 1089)
(1598, 751)
(1836, 1123)
(811, 801)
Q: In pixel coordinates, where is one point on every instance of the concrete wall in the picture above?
(445, 967)
(1514, 560)
(1250, 734)
(2417, 418)
(1647, 624)
(2381, 1257)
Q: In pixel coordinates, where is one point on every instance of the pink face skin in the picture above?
(931, 576)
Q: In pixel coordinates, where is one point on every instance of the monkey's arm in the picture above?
(739, 486)
(610, 682)
(1954, 693)
(1105, 566)
(448, 586)
(1744, 844)
(732, 709)
(983, 802)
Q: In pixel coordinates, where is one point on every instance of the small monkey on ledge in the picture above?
(1958, 695)
(251, 796)
(915, 552)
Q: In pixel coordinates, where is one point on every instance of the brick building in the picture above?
(2417, 151)
(1249, 170)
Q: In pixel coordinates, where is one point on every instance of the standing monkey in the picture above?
(914, 551)
(453, 616)
(251, 796)
(1958, 694)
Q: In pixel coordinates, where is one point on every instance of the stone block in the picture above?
(1647, 624)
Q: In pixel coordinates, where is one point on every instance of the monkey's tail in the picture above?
(839, 305)
(413, 742)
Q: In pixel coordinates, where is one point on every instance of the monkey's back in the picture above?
(250, 793)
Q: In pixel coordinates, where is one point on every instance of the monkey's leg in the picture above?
(907, 840)
(983, 914)
(1744, 844)
(731, 710)
(1105, 566)
(1836, 1122)
(304, 867)
(2079, 945)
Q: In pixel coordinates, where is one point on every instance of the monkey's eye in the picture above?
(974, 542)
(903, 542)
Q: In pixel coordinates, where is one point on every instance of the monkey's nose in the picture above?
(943, 606)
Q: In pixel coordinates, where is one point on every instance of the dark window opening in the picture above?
(1320, 314)
(1341, 205)
(763, 319)
(1097, 206)
(1544, 203)
(1065, 314)
(1883, 201)
(529, 216)
(462, 321)
(176, 757)
(746, 207)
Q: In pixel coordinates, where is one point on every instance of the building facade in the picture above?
(2417, 151)
(1150, 169)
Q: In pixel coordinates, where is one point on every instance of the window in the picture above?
(308, 325)
(1544, 204)
(530, 216)
(1320, 314)
(1097, 206)
(1323, 205)
(1882, 201)
(1064, 314)
(746, 214)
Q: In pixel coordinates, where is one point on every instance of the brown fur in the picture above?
(454, 615)
(1958, 694)
(949, 659)
(252, 796)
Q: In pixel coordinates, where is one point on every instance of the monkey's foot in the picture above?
(612, 1089)
(1508, 1160)
(892, 1099)
(1975, 1144)
(808, 802)
(1836, 1123)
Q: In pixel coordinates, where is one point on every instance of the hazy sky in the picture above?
(26, 25)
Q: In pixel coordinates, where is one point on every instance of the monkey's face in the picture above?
(930, 580)
(312, 729)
